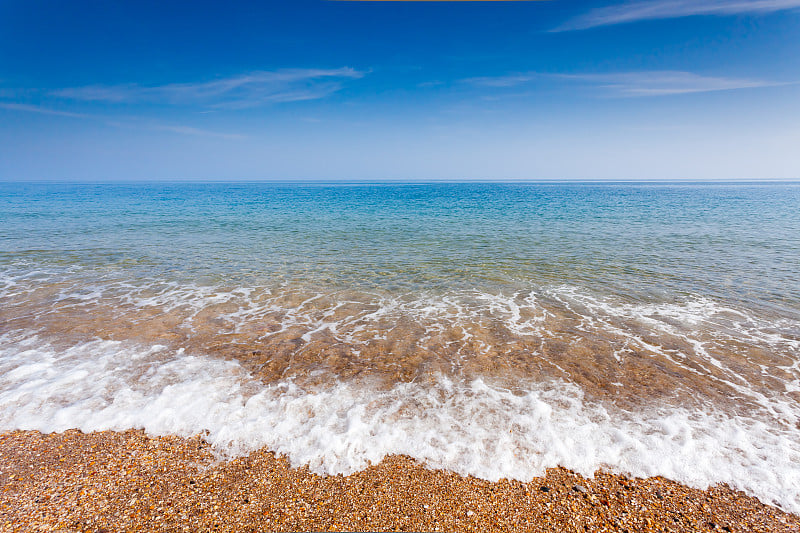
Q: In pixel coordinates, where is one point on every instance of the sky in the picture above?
(424, 90)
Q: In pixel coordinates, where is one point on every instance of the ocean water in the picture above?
(492, 329)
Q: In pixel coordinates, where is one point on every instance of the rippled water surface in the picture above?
(493, 329)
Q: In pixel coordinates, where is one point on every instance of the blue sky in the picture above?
(305, 89)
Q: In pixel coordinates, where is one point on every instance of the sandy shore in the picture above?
(127, 481)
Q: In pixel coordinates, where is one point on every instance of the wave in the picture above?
(473, 427)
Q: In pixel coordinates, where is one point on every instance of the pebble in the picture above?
(48, 482)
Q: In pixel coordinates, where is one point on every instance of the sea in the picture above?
(491, 329)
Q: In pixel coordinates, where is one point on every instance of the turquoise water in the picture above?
(737, 242)
(489, 328)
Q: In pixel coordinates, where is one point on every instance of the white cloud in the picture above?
(182, 130)
(197, 132)
(509, 80)
(665, 82)
(237, 92)
(29, 108)
(665, 9)
(630, 84)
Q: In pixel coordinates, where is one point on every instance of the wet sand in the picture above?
(686, 354)
(127, 481)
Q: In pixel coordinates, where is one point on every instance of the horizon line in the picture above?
(378, 181)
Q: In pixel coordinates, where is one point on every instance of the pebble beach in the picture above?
(419, 357)
(128, 481)
(400, 265)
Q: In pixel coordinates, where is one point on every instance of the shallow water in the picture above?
(493, 329)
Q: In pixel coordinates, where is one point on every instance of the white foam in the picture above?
(356, 318)
(471, 428)
(710, 331)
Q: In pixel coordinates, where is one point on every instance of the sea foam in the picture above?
(469, 427)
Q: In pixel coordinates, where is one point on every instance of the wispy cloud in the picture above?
(197, 132)
(128, 124)
(134, 123)
(30, 108)
(237, 92)
(508, 80)
(666, 9)
(665, 82)
(628, 84)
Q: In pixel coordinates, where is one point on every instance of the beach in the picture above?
(459, 346)
(409, 265)
(127, 481)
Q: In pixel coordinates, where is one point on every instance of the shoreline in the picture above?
(124, 481)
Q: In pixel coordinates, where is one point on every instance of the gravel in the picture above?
(128, 481)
